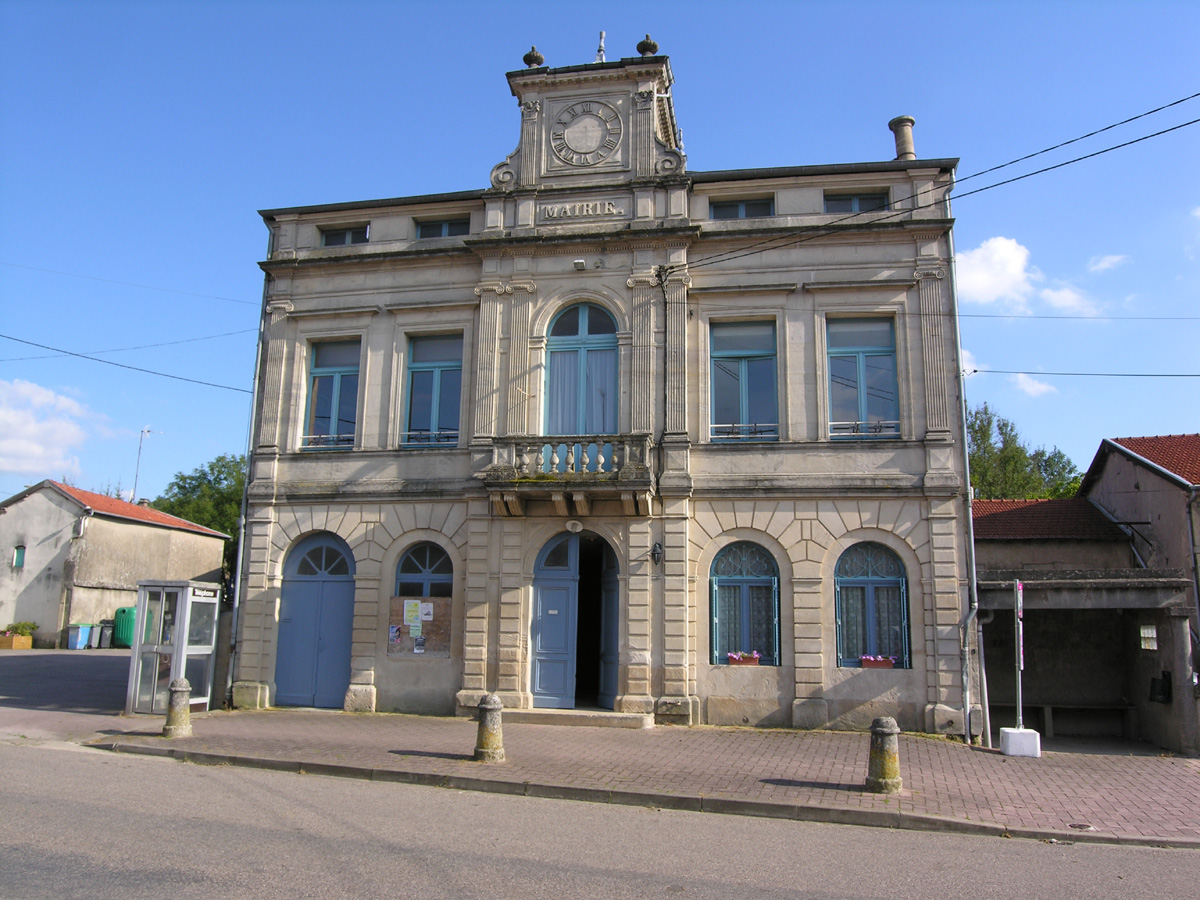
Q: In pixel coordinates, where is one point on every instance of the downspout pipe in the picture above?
(968, 619)
(1192, 549)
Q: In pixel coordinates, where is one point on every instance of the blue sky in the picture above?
(139, 139)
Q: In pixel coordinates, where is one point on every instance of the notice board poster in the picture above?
(419, 627)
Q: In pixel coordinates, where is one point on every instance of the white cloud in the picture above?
(998, 269)
(1068, 300)
(1104, 263)
(1031, 386)
(1196, 212)
(38, 430)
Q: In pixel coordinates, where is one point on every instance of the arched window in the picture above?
(425, 571)
(581, 372)
(745, 604)
(872, 606)
(318, 555)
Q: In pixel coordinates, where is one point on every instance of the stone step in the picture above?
(595, 718)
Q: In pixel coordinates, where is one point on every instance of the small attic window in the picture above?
(341, 237)
(741, 209)
(856, 203)
(444, 228)
(18, 557)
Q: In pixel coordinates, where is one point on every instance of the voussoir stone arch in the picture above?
(562, 300)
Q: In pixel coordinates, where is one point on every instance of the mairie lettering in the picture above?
(580, 210)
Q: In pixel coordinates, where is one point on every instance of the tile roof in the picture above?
(111, 506)
(1177, 453)
(1071, 518)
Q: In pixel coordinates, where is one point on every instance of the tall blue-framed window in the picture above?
(744, 403)
(871, 596)
(332, 395)
(863, 393)
(434, 390)
(425, 571)
(581, 372)
(744, 582)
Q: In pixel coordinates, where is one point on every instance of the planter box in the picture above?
(876, 663)
(16, 642)
(742, 662)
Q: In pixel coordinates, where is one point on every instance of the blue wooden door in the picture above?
(555, 623)
(556, 608)
(316, 617)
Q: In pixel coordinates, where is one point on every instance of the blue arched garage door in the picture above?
(316, 617)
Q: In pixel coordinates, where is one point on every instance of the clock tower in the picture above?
(592, 125)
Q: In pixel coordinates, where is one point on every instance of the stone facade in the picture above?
(596, 261)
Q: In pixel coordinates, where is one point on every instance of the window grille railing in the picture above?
(425, 438)
(326, 441)
(768, 431)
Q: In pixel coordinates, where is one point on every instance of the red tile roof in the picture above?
(111, 506)
(1071, 518)
(1178, 453)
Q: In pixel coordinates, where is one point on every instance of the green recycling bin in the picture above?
(123, 626)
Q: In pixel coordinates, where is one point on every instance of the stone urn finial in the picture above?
(647, 47)
(533, 59)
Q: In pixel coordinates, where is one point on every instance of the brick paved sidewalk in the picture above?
(796, 774)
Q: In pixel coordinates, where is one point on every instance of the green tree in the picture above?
(210, 496)
(1004, 467)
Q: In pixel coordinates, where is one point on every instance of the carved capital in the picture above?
(277, 308)
(642, 280)
(531, 108)
(938, 273)
(644, 99)
(495, 288)
(527, 286)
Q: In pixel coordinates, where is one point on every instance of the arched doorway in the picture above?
(316, 616)
(574, 631)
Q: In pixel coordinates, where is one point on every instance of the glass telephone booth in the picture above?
(174, 636)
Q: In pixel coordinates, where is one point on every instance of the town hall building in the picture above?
(611, 434)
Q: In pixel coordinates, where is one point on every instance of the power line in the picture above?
(209, 337)
(109, 362)
(1076, 159)
(1089, 374)
(147, 287)
(1076, 140)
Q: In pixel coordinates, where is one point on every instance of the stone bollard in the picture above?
(883, 765)
(179, 710)
(489, 746)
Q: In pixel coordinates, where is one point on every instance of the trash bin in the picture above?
(106, 633)
(77, 636)
(93, 641)
(123, 626)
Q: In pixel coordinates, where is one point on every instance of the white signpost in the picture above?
(1019, 741)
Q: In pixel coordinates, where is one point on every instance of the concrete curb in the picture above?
(732, 806)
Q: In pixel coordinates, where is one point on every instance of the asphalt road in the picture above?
(85, 823)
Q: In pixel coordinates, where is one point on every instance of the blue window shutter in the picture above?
(715, 637)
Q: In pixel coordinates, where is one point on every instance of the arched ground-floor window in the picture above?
(871, 595)
(744, 582)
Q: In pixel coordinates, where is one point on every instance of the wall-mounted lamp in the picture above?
(580, 264)
(656, 552)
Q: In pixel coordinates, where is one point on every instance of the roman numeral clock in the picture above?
(586, 134)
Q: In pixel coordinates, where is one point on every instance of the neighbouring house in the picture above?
(76, 556)
(591, 434)
(1100, 627)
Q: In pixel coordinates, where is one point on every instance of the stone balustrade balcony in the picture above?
(570, 473)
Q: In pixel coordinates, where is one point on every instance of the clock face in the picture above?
(586, 133)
